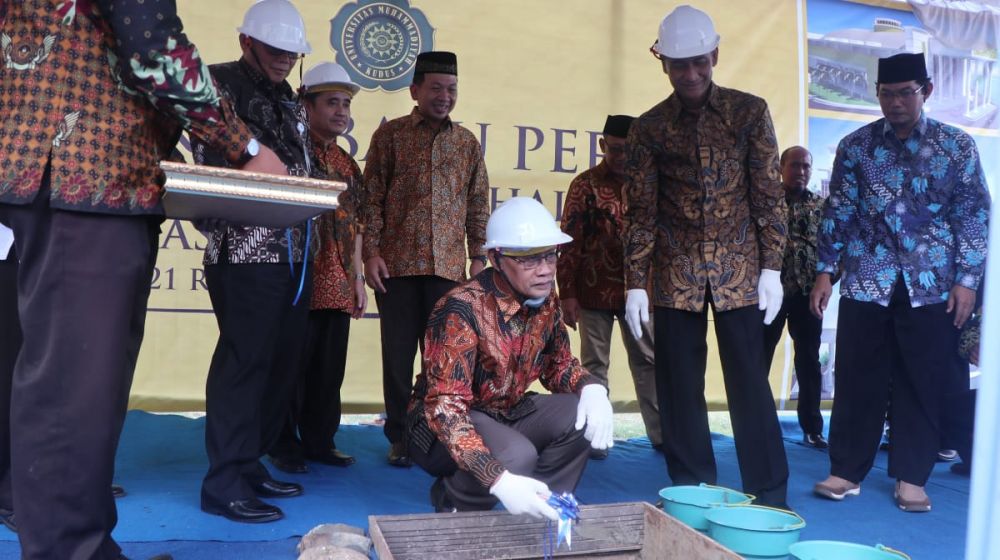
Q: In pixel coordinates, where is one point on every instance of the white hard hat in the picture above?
(328, 76)
(276, 23)
(523, 223)
(686, 32)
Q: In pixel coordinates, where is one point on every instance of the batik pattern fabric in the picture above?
(103, 127)
(798, 273)
(705, 207)
(482, 351)
(272, 113)
(333, 266)
(426, 196)
(591, 268)
(917, 207)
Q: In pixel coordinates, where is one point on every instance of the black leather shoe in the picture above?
(815, 440)
(7, 518)
(245, 511)
(439, 498)
(598, 454)
(270, 488)
(289, 464)
(117, 490)
(332, 457)
(397, 455)
(157, 557)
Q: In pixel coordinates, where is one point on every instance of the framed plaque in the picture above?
(196, 192)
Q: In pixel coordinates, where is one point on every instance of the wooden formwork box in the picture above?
(627, 531)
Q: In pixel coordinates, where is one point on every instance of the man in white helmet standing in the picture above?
(338, 282)
(261, 331)
(705, 207)
(471, 421)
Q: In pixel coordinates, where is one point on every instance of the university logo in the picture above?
(377, 42)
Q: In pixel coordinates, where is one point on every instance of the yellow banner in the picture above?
(537, 80)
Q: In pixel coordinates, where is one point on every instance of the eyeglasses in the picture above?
(904, 94)
(279, 53)
(531, 262)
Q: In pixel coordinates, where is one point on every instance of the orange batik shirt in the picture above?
(333, 267)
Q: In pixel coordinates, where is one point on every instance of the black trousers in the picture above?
(912, 348)
(544, 445)
(404, 309)
(315, 414)
(253, 372)
(805, 330)
(83, 284)
(681, 352)
(10, 345)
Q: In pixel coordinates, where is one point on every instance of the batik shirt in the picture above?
(271, 112)
(99, 90)
(426, 194)
(482, 351)
(705, 204)
(798, 273)
(917, 207)
(591, 268)
(333, 267)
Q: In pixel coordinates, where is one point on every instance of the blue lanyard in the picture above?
(305, 259)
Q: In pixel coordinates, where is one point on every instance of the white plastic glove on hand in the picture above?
(636, 311)
(594, 411)
(769, 294)
(521, 494)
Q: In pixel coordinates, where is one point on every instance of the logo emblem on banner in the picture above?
(377, 41)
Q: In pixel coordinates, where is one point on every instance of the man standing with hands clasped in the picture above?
(705, 207)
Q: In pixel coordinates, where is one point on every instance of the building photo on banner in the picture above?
(537, 81)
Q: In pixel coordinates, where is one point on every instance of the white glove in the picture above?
(769, 294)
(636, 311)
(594, 411)
(521, 494)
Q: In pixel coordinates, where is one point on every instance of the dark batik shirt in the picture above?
(272, 114)
(798, 273)
(705, 204)
(482, 351)
(426, 196)
(917, 207)
(591, 268)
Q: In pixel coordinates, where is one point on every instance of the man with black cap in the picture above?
(425, 200)
(591, 273)
(705, 226)
(905, 225)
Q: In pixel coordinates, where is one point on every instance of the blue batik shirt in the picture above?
(917, 207)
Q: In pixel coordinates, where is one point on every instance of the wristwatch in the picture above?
(360, 276)
(249, 152)
(480, 258)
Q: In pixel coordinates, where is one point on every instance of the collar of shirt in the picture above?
(279, 92)
(674, 108)
(322, 145)
(916, 133)
(803, 197)
(417, 118)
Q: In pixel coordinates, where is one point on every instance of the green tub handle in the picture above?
(800, 524)
(899, 553)
(750, 496)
